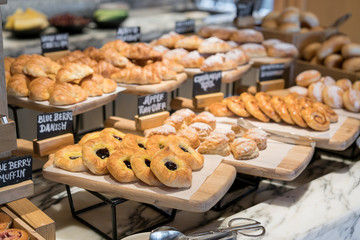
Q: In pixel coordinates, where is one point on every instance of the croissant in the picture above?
(168, 40)
(163, 71)
(91, 52)
(120, 46)
(18, 85)
(71, 57)
(218, 62)
(143, 51)
(177, 67)
(7, 64)
(111, 56)
(67, 93)
(137, 75)
(18, 65)
(105, 69)
(91, 87)
(72, 72)
(192, 60)
(87, 61)
(189, 43)
(40, 88)
(40, 67)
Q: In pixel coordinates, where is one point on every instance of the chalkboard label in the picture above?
(54, 42)
(187, 26)
(152, 103)
(54, 124)
(208, 82)
(128, 34)
(15, 170)
(244, 9)
(271, 72)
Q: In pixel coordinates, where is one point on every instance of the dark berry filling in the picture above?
(161, 146)
(171, 166)
(141, 145)
(74, 157)
(118, 138)
(127, 163)
(184, 149)
(147, 162)
(103, 153)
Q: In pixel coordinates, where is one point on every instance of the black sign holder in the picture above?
(207, 89)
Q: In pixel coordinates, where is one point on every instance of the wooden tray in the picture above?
(164, 86)
(227, 77)
(210, 192)
(78, 108)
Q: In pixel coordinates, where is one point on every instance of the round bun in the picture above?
(344, 83)
(282, 50)
(333, 61)
(119, 165)
(332, 45)
(5, 221)
(352, 64)
(289, 16)
(308, 19)
(305, 78)
(171, 169)
(140, 163)
(289, 27)
(327, 80)
(356, 85)
(333, 96)
(310, 50)
(298, 90)
(315, 91)
(247, 36)
(14, 234)
(352, 100)
(70, 158)
(350, 50)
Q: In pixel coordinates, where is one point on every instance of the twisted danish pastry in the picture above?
(315, 119)
(263, 101)
(119, 165)
(140, 164)
(237, 106)
(252, 107)
(280, 107)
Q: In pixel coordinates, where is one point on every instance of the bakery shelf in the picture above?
(7, 138)
(16, 191)
(257, 62)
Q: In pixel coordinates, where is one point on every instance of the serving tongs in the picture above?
(279, 135)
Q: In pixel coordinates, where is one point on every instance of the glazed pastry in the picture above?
(356, 85)
(352, 100)
(230, 134)
(333, 61)
(263, 101)
(310, 50)
(333, 96)
(192, 60)
(181, 147)
(168, 40)
(140, 164)
(252, 107)
(332, 45)
(191, 135)
(171, 169)
(88, 137)
(344, 83)
(70, 158)
(41, 67)
(257, 135)
(327, 80)
(305, 102)
(350, 50)
(119, 165)
(134, 142)
(244, 148)
(308, 19)
(216, 144)
(352, 64)
(315, 119)
(203, 130)
(205, 117)
(18, 85)
(301, 91)
(5, 221)
(73, 72)
(280, 107)
(305, 78)
(187, 114)
(177, 121)
(66, 94)
(295, 110)
(315, 91)
(290, 98)
(189, 43)
(155, 143)
(164, 129)
(112, 132)
(176, 55)
(218, 62)
(220, 109)
(247, 36)
(96, 152)
(330, 113)
(237, 55)
(213, 45)
(13, 234)
(282, 50)
(137, 75)
(254, 50)
(237, 106)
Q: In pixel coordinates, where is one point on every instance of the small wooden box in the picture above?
(7, 139)
(51, 145)
(150, 121)
(205, 100)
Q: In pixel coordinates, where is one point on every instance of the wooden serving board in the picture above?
(164, 86)
(209, 193)
(43, 106)
(257, 62)
(227, 76)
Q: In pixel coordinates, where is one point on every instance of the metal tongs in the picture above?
(278, 135)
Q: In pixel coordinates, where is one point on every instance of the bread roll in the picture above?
(332, 45)
(305, 78)
(350, 50)
(333, 61)
(344, 83)
(352, 64)
(308, 19)
(310, 50)
(333, 96)
(282, 50)
(352, 100)
(289, 27)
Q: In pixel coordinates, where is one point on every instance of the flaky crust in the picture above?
(214, 45)
(155, 143)
(18, 85)
(137, 75)
(186, 113)
(73, 72)
(315, 119)
(70, 158)
(218, 62)
(205, 117)
(216, 143)
(254, 50)
(202, 129)
(134, 142)
(263, 101)
(281, 109)
(191, 135)
(252, 107)
(165, 129)
(88, 137)
(294, 110)
(112, 132)
(237, 106)
(330, 113)
(168, 40)
(41, 67)
(257, 135)
(189, 43)
(247, 36)
(220, 109)
(17, 66)
(119, 165)
(91, 87)
(40, 88)
(244, 148)
(192, 60)
(140, 163)
(66, 94)
(143, 51)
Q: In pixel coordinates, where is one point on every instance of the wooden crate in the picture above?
(7, 139)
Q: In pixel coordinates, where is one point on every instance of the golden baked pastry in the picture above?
(168, 40)
(163, 71)
(73, 56)
(181, 147)
(203, 130)
(237, 106)
(247, 36)
(70, 158)
(177, 121)
(88, 137)
(333, 96)
(329, 112)
(308, 19)
(327, 80)
(223, 32)
(220, 109)
(254, 50)
(137, 75)
(207, 31)
(111, 56)
(289, 27)
(175, 55)
(96, 152)
(14, 234)
(140, 164)
(282, 50)
(189, 43)
(352, 64)
(192, 60)
(142, 51)
(91, 87)
(171, 169)
(119, 165)
(280, 107)
(40, 67)
(230, 134)
(5, 221)
(252, 107)
(122, 47)
(356, 85)
(134, 142)
(333, 60)
(155, 143)
(295, 110)
(244, 148)
(218, 62)
(310, 50)
(205, 117)
(18, 85)
(315, 91)
(305, 102)
(112, 132)
(216, 144)
(350, 50)
(263, 101)
(332, 45)
(344, 83)
(291, 98)
(40, 88)
(66, 94)
(214, 45)
(315, 119)
(165, 129)
(237, 55)
(173, 65)
(186, 113)
(352, 100)
(305, 78)
(191, 135)
(105, 69)
(257, 135)
(73, 72)
(269, 24)
(17, 66)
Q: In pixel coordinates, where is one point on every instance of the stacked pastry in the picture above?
(6, 232)
(324, 89)
(292, 109)
(290, 20)
(335, 52)
(160, 159)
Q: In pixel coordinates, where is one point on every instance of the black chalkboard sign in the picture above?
(15, 170)
(128, 34)
(54, 124)
(208, 82)
(54, 42)
(152, 103)
(244, 8)
(187, 26)
(271, 72)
